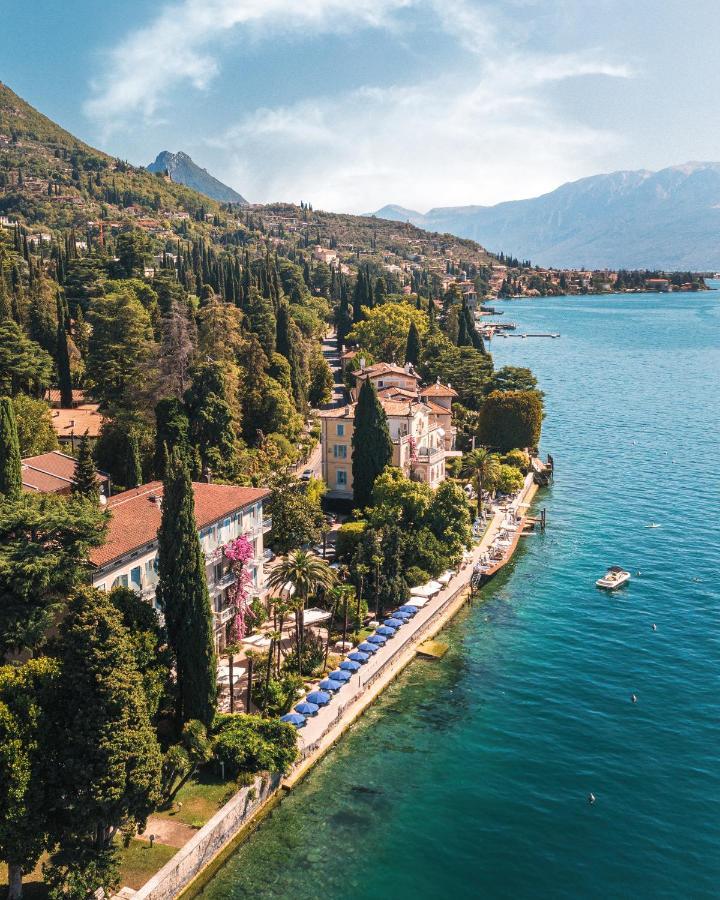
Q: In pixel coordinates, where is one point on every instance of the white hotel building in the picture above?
(222, 513)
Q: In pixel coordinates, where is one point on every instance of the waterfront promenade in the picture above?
(323, 729)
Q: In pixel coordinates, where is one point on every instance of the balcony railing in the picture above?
(267, 524)
(227, 579)
(428, 454)
(224, 615)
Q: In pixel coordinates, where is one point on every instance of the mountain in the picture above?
(637, 219)
(182, 170)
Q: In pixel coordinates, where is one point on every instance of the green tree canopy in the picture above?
(107, 759)
(24, 365)
(34, 425)
(44, 542)
(384, 330)
(511, 419)
(121, 348)
(10, 461)
(86, 483)
(372, 446)
(182, 593)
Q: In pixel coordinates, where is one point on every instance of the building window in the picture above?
(341, 478)
(341, 429)
(340, 451)
(120, 581)
(136, 578)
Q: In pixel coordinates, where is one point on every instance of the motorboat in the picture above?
(614, 578)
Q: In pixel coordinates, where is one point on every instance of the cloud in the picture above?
(180, 45)
(488, 134)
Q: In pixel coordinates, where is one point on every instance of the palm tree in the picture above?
(483, 464)
(301, 574)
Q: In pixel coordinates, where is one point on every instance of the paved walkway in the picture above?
(401, 647)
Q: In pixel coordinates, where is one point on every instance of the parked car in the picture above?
(307, 475)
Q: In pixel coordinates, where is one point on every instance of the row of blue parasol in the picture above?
(329, 686)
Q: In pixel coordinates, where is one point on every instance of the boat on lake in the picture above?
(614, 578)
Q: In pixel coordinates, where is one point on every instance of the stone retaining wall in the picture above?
(189, 861)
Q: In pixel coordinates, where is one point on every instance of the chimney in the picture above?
(362, 363)
(408, 368)
(206, 477)
(72, 423)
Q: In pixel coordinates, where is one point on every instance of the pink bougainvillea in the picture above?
(239, 551)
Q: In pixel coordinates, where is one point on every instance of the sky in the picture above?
(353, 104)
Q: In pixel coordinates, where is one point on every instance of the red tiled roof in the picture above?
(51, 473)
(75, 422)
(438, 390)
(384, 368)
(52, 395)
(135, 518)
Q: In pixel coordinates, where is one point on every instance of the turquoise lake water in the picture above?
(470, 777)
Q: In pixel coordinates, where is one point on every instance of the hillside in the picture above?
(49, 177)
(656, 220)
(50, 182)
(183, 170)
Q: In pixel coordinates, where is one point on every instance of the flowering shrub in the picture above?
(238, 552)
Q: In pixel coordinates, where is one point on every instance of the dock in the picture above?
(548, 334)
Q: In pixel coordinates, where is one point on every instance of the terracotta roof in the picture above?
(51, 473)
(437, 409)
(75, 422)
(135, 517)
(384, 368)
(401, 407)
(392, 392)
(346, 411)
(52, 395)
(438, 390)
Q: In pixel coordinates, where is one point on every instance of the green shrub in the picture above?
(509, 480)
(517, 458)
(251, 744)
(349, 536)
(415, 576)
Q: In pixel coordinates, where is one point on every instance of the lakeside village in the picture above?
(169, 638)
(250, 461)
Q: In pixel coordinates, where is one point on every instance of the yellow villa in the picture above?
(420, 423)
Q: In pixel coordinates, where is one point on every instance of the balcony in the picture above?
(429, 454)
(224, 615)
(267, 524)
(227, 579)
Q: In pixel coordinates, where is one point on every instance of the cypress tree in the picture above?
(63, 358)
(287, 344)
(133, 464)
(412, 347)
(85, 472)
(171, 432)
(10, 461)
(182, 593)
(360, 297)
(463, 338)
(372, 446)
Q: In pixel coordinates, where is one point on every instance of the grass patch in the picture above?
(33, 887)
(140, 861)
(199, 799)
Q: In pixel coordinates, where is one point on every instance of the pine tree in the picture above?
(372, 446)
(63, 358)
(412, 347)
(171, 433)
(182, 593)
(86, 482)
(463, 338)
(360, 296)
(10, 460)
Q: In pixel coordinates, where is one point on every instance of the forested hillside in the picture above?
(186, 320)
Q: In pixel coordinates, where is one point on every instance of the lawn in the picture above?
(140, 861)
(199, 799)
(137, 863)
